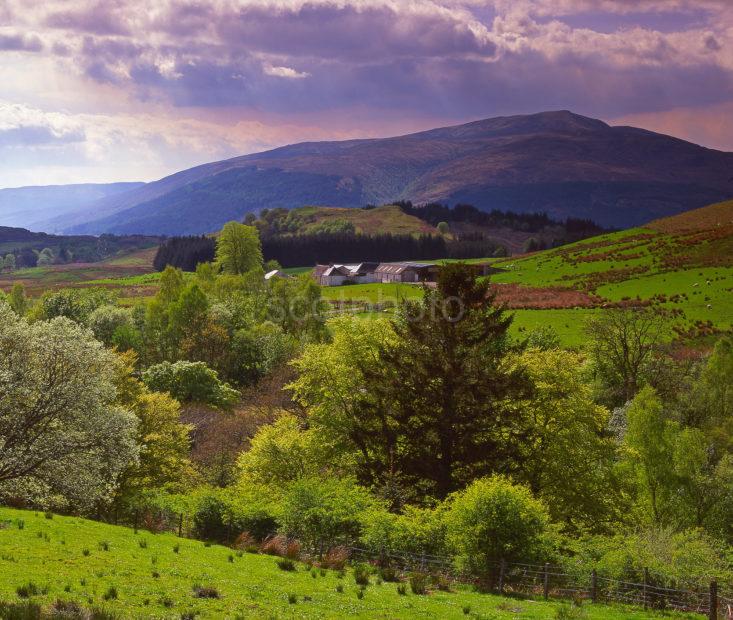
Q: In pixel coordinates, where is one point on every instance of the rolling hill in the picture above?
(27, 206)
(558, 162)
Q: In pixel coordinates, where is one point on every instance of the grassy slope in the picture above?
(387, 219)
(50, 553)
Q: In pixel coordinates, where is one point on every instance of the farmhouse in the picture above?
(337, 274)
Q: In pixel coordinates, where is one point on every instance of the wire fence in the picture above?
(644, 588)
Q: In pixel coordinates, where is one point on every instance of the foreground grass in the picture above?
(144, 575)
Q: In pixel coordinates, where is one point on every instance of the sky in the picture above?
(133, 90)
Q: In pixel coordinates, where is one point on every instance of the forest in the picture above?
(244, 405)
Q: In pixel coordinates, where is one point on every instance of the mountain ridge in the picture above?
(559, 162)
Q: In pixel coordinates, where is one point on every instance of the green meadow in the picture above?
(138, 574)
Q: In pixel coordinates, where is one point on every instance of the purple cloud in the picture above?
(20, 43)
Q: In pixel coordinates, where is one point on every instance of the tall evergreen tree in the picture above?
(438, 414)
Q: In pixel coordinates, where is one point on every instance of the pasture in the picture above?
(132, 575)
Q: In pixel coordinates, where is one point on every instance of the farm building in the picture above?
(335, 275)
(406, 272)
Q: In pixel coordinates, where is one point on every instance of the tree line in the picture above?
(310, 249)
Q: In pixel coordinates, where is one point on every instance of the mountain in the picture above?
(28, 206)
(558, 162)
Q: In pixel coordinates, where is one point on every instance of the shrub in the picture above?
(20, 523)
(292, 550)
(494, 519)
(335, 558)
(85, 552)
(48, 514)
(30, 589)
(340, 588)
(246, 542)
(142, 543)
(110, 594)
(401, 589)
(167, 602)
(286, 564)
(221, 514)
(67, 609)
(361, 574)
(292, 599)
(274, 545)
(230, 558)
(190, 381)
(387, 573)
(104, 545)
(419, 583)
(466, 610)
(156, 574)
(323, 512)
(200, 591)
(176, 548)
(360, 594)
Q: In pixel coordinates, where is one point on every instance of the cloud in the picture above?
(16, 42)
(161, 86)
(284, 72)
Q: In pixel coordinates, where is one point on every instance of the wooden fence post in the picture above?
(594, 586)
(502, 566)
(713, 600)
(646, 583)
(180, 525)
(546, 585)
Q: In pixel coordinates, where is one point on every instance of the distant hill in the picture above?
(25, 245)
(558, 162)
(28, 206)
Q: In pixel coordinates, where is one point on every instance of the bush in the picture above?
(190, 382)
(110, 594)
(335, 558)
(323, 513)
(200, 591)
(361, 574)
(388, 573)
(292, 599)
(494, 519)
(401, 589)
(274, 545)
(222, 513)
(48, 514)
(419, 583)
(30, 589)
(286, 564)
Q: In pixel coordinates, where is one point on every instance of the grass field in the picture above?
(141, 575)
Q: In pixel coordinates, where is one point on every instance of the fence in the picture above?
(645, 589)
(650, 590)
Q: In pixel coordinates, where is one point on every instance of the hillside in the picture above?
(386, 219)
(141, 575)
(558, 162)
(682, 264)
(27, 206)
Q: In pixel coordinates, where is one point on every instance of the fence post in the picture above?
(502, 566)
(594, 586)
(180, 525)
(713, 600)
(546, 585)
(646, 583)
